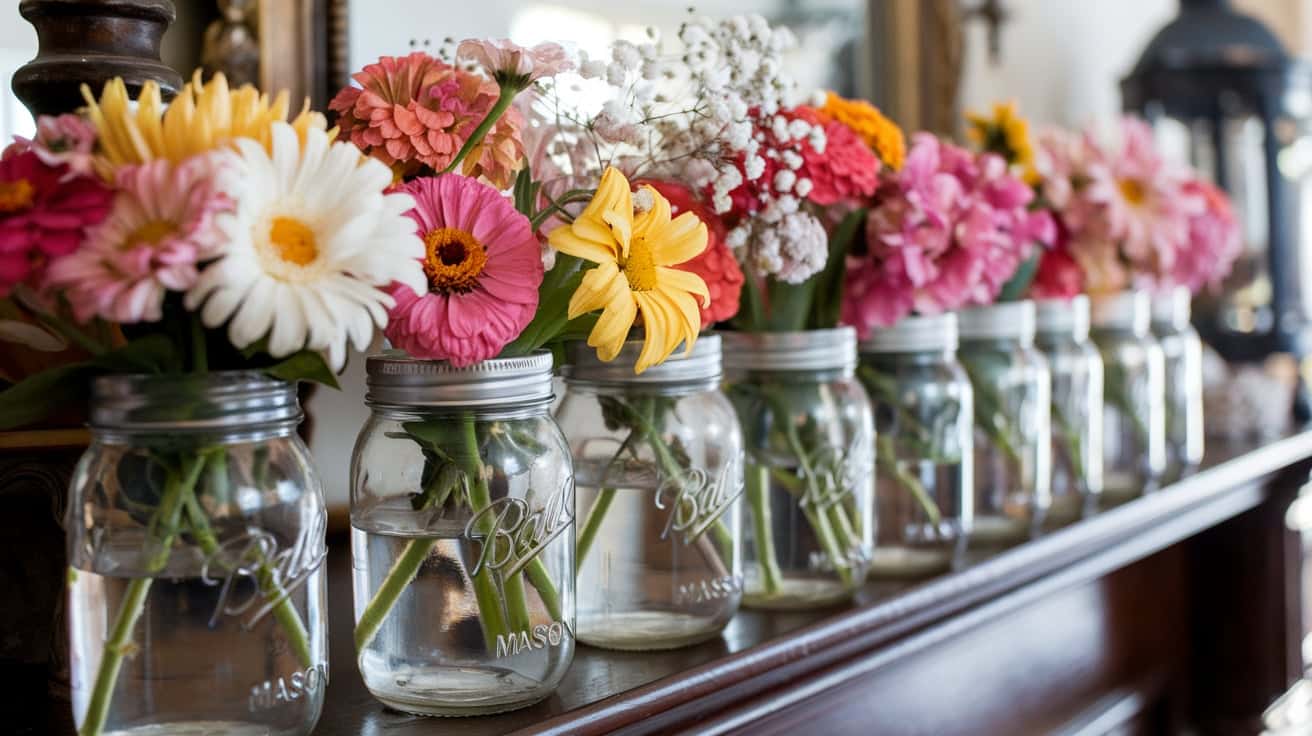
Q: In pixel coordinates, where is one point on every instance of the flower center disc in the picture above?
(453, 260)
(293, 241)
(15, 195)
(151, 233)
(1133, 191)
(639, 267)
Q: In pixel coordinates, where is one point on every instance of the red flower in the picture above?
(1058, 277)
(43, 215)
(716, 265)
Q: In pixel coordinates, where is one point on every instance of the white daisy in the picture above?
(311, 241)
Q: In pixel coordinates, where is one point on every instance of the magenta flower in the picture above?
(483, 268)
(947, 231)
(1213, 244)
(162, 224)
(65, 140)
(44, 214)
(513, 65)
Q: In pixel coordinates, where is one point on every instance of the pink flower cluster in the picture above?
(1128, 218)
(947, 231)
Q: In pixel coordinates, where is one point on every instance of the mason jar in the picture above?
(1182, 350)
(658, 458)
(1134, 406)
(924, 488)
(1076, 368)
(462, 536)
(809, 465)
(196, 524)
(1012, 403)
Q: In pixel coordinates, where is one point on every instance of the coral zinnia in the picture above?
(416, 111)
(882, 135)
(162, 224)
(634, 275)
(307, 251)
(201, 118)
(483, 267)
(716, 265)
(44, 214)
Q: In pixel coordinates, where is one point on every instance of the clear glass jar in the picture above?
(924, 450)
(1134, 406)
(196, 530)
(1076, 368)
(462, 536)
(809, 465)
(1183, 351)
(1012, 401)
(659, 463)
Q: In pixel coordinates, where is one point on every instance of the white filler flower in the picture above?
(312, 240)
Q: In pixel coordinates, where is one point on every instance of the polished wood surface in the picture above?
(1094, 628)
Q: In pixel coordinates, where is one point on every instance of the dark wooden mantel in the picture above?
(1177, 609)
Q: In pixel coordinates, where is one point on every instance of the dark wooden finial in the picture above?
(92, 41)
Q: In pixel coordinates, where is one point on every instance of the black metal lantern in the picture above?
(1224, 95)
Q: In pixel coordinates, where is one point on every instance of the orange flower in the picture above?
(882, 135)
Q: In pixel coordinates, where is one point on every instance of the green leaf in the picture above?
(552, 317)
(1019, 283)
(523, 192)
(306, 365)
(37, 397)
(828, 303)
(788, 305)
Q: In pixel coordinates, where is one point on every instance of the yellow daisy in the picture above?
(202, 117)
(1007, 134)
(633, 276)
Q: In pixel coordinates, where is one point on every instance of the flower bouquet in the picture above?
(203, 257)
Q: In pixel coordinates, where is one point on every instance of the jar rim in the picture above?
(1001, 321)
(396, 379)
(1063, 316)
(702, 365)
(914, 334)
(1172, 307)
(801, 350)
(1126, 310)
(215, 401)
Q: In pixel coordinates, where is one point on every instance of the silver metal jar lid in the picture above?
(1064, 316)
(398, 380)
(1005, 321)
(807, 350)
(1172, 307)
(1127, 310)
(204, 402)
(701, 366)
(913, 335)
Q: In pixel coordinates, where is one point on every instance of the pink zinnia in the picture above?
(44, 214)
(416, 111)
(947, 231)
(483, 269)
(1213, 244)
(162, 224)
(65, 140)
(512, 64)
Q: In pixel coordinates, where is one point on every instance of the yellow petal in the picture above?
(567, 240)
(601, 287)
(685, 281)
(678, 241)
(685, 307)
(647, 223)
(655, 325)
(612, 328)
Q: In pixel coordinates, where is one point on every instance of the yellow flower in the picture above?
(882, 135)
(633, 275)
(202, 117)
(1007, 134)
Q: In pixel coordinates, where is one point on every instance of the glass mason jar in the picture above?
(659, 462)
(1076, 368)
(1134, 407)
(462, 536)
(1183, 352)
(809, 465)
(196, 542)
(924, 492)
(1012, 401)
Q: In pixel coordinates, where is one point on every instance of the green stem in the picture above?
(540, 579)
(490, 598)
(65, 329)
(819, 520)
(1072, 442)
(758, 489)
(592, 525)
(886, 458)
(505, 97)
(134, 599)
(406, 566)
